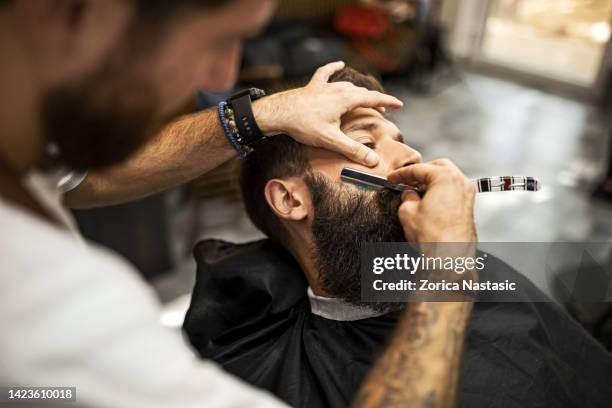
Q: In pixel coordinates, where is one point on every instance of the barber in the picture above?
(83, 82)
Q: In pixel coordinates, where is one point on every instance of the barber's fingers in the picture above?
(445, 163)
(335, 140)
(410, 204)
(411, 196)
(357, 97)
(322, 75)
(425, 173)
(408, 212)
(419, 173)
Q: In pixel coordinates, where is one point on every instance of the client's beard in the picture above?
(345, 217)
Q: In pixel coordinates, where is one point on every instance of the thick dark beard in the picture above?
(345, 217)
(100, 120)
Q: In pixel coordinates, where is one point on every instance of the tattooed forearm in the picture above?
(456, 330)
(420, 367)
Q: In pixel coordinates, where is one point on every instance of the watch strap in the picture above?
(248, 130)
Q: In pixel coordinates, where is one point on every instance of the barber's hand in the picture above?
(311, 114)
(446, 211)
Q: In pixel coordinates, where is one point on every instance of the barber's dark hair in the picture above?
(155, 5)
(282, 157)
(149, 5)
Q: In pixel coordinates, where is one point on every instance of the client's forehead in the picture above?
(358, 113)
(369, 120)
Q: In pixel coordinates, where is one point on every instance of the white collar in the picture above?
(338, 309)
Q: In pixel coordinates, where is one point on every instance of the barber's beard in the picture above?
(100, 120)
(345, 217)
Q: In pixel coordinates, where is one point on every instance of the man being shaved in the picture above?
(286, 313)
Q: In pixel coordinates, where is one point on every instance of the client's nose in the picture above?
(404, 155)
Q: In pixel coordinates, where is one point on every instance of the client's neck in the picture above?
(304, 255)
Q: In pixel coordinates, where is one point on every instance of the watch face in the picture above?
(240, 94)
(254, 94)
(257, 93)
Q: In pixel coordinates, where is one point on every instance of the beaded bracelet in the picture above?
(232, 136)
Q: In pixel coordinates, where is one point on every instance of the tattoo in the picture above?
(404, 375)
(454, 349)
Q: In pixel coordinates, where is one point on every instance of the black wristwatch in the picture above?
(242, 119)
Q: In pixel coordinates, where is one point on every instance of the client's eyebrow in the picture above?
(371, 127)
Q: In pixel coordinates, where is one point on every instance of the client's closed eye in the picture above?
(367, 142)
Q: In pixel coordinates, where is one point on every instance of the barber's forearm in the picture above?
(184, 150)
(420, 367)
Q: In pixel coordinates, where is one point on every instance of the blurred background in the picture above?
(501, 87)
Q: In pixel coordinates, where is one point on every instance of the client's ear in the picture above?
(289, 198)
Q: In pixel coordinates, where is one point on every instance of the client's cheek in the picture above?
(327, 163)
(381, 169)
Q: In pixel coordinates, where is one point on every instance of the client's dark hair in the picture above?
(282, 157)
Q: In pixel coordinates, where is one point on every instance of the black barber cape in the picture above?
(250, 313)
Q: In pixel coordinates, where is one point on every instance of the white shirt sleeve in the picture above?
(78, 316)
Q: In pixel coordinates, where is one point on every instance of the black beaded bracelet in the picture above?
(231, 136)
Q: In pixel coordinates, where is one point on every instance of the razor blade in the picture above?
(483, 185)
